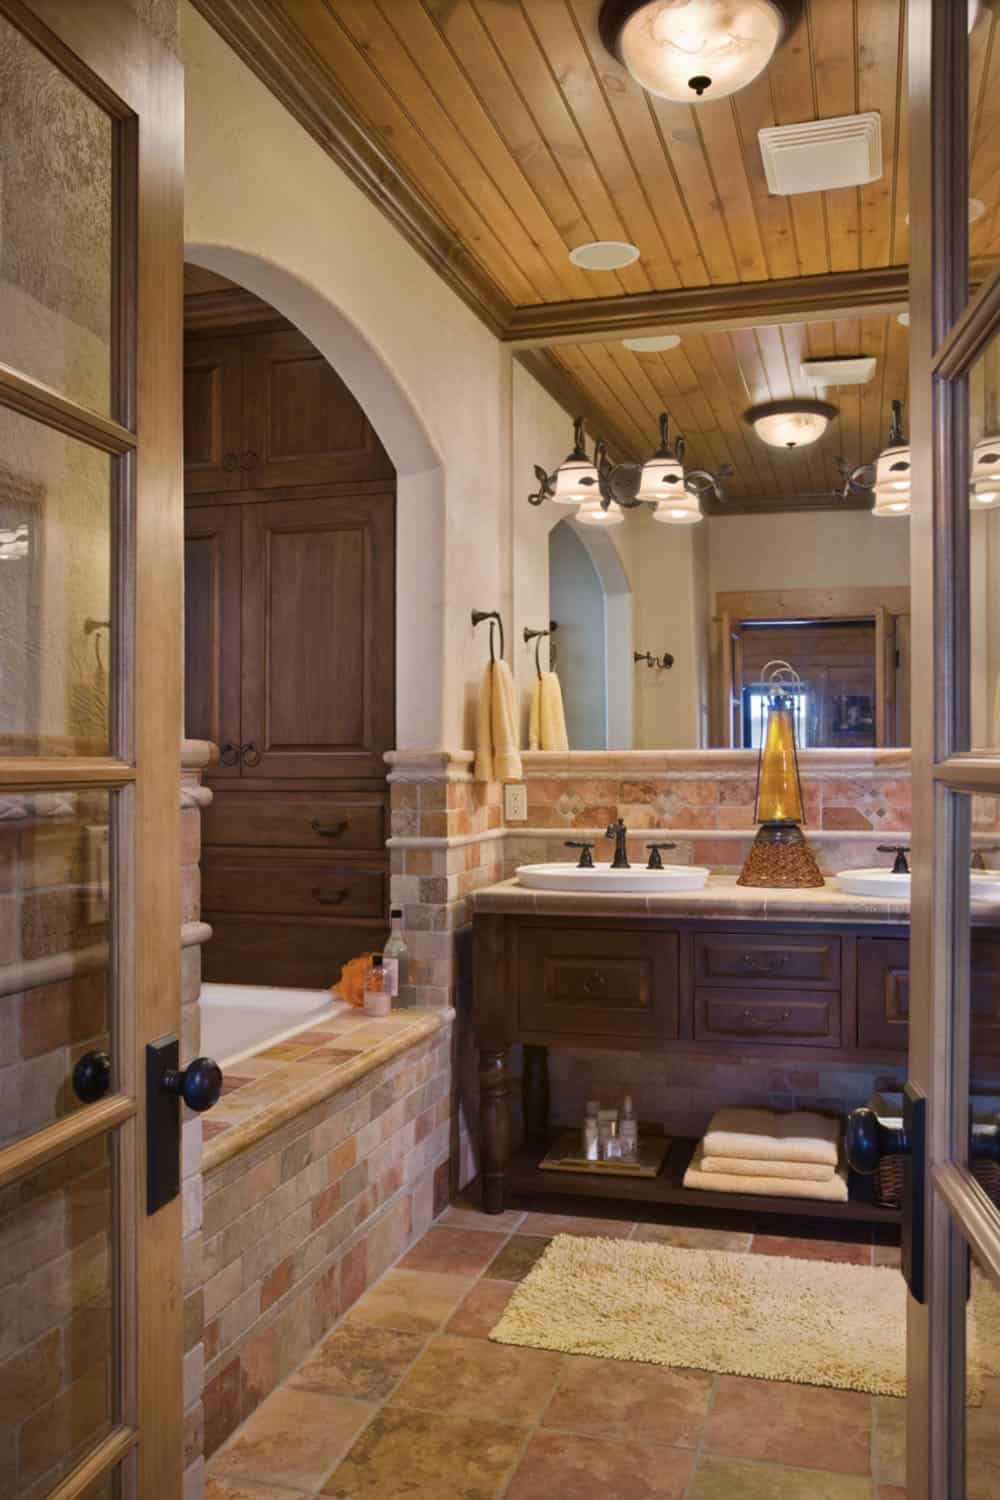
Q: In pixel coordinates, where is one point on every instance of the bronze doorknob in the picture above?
(867, 1140)
(199, 1084)
(92, 1077)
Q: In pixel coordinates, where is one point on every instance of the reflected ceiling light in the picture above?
(892, 470)
(14, 543)
(984, 486)
(604, 491)
(691, 50)
(604, 255)
(790, 424)
(903, 318)
(656, 343)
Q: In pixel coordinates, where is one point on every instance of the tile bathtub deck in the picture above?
(406, 1397)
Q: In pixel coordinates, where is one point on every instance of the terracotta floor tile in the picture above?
(889, 1439)
(587, 1468)
(410, 1301)
(844, 1251)
(886, 1255)
(777, 1422)
(234, 1489)
(294, 1439)
(410, 1455)
(723, 1479)
(613, 1399)
(478, 1315)
(516, 1259)
(552, 1224)
(692, 1237)
(453, 1252)
(363, 1362)
(470, 1217)
(467, 1377)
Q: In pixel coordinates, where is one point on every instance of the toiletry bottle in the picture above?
(629, 1131)
(590, 1133)
(394, 958)
(378, 1001)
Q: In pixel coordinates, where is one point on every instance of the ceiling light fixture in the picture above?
(691, 50)
(604, 255)
(604, 491)
(656, 343)
(790, 424)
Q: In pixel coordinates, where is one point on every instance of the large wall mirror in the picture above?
(663, 627)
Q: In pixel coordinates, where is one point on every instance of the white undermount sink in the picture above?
(636, 880)
(984, 885)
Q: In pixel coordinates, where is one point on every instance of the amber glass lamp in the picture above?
(779, 855)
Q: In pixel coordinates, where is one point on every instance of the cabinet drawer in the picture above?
(275, 887)
(296, 820)
(884, 994)
(581, 982)
(806, 1017)
(287, 951)
(724, 959)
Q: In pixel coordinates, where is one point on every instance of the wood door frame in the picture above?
(106, 49)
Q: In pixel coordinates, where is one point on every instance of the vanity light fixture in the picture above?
(984, 486)
(888, 478)
(604, 491)
(790, 424)
(691, 50)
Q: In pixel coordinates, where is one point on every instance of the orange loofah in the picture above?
(351, 984)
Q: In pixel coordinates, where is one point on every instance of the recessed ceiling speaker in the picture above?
(695, 50)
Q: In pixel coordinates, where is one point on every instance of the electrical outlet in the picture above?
(515, 802)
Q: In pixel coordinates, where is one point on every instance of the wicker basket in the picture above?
(889, 1180)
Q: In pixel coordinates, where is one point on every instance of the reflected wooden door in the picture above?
(91, 159)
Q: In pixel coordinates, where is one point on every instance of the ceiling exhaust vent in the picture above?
(839, 371)
(822, 154)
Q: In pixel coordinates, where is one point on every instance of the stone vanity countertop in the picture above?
(721, 897)
(263, 1091)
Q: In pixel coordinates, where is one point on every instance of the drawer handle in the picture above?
(765, 963)
(333, 832)
(766, 1021)
(251, 755)
(229, 755)
(595, 981)
(328, 898)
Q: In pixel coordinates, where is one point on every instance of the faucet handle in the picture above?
(900, 866)
(655, 862)
(586, 855)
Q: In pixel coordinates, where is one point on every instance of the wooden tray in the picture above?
(564, 1156)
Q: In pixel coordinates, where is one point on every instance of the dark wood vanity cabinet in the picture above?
(289, 651)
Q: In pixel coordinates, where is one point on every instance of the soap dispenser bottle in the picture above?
(628, 1131)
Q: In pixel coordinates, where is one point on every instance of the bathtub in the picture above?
(237, 1019)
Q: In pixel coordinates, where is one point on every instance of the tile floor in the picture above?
(407, 1400)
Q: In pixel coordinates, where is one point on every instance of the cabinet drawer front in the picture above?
(295, 820)
(721, 958)
(285, 950)
(315, 888)
(598, 984)
(884, 994)
(808, 1017)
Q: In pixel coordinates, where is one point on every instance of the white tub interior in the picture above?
(237, 1019)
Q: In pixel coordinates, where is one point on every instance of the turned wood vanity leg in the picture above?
(536, 1096)
(494, 1125)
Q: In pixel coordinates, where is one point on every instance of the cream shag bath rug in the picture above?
(812, 1322)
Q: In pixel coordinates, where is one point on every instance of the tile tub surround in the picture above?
(300, 1220)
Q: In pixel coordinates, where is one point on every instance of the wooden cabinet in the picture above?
(589, 982)
(289, 654)
(884, 994)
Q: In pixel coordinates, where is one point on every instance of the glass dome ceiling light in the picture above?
(790, 424)
(691, 50)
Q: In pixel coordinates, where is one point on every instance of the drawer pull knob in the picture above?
(328, 898)
(766, 962)
(334, 831)
(595, 981)
(765, 1021)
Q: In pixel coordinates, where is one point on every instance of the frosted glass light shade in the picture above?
(576, 480)
(688, 50)
(985, 482)
(792, 429)
(683, 510)
(662, 479)
(892, 482)
(592, 513)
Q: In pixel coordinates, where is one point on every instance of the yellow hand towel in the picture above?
(547, 722)
(834, 1190)
(746, 1166)
(767, 1135)
(497, 755)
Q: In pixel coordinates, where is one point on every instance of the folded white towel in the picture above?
(547, 723)
(832, 1191)
(497, 755)
(745, 1166)
(765, 1135)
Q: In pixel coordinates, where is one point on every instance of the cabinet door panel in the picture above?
(301, 423)
(586, 983)
(212, 583)
(319, 636)
(884, 993)
(213, 400)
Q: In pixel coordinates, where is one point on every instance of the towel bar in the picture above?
(538, 636)
(478, 616)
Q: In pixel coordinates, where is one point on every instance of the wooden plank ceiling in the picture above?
(499, 134)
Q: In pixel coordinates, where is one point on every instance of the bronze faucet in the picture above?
(619, 833)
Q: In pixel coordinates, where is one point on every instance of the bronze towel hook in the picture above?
(478, 616)
(538, 636)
